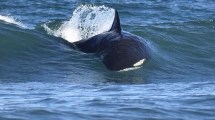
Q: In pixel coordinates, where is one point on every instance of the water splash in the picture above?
(86, 21)
(12, 20)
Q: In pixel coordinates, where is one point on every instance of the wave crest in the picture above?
(11, 20)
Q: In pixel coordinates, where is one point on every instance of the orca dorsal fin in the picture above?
(116, 23)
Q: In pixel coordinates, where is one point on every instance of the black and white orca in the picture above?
(118, 50)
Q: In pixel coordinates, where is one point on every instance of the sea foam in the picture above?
(11, 20)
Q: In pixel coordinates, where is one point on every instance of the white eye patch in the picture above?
(139, 63)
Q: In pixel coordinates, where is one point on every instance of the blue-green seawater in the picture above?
(41, 78)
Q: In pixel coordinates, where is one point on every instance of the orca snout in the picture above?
(125, 54)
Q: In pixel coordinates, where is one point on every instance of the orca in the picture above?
(118, 50)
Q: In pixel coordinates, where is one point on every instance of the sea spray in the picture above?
(11, 20)
(86, 21)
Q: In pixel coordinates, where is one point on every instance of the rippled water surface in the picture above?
(43, 78)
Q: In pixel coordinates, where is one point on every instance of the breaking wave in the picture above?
(11, 20)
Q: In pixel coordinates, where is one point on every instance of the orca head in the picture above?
(126, 52)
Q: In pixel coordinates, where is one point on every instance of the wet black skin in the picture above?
(118, 50)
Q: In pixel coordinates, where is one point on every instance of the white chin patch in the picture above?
(128, 69)
(139, 63)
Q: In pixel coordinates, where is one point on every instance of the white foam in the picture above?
(86, 21)
(11, 20)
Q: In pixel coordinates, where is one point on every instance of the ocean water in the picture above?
(42, 78)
